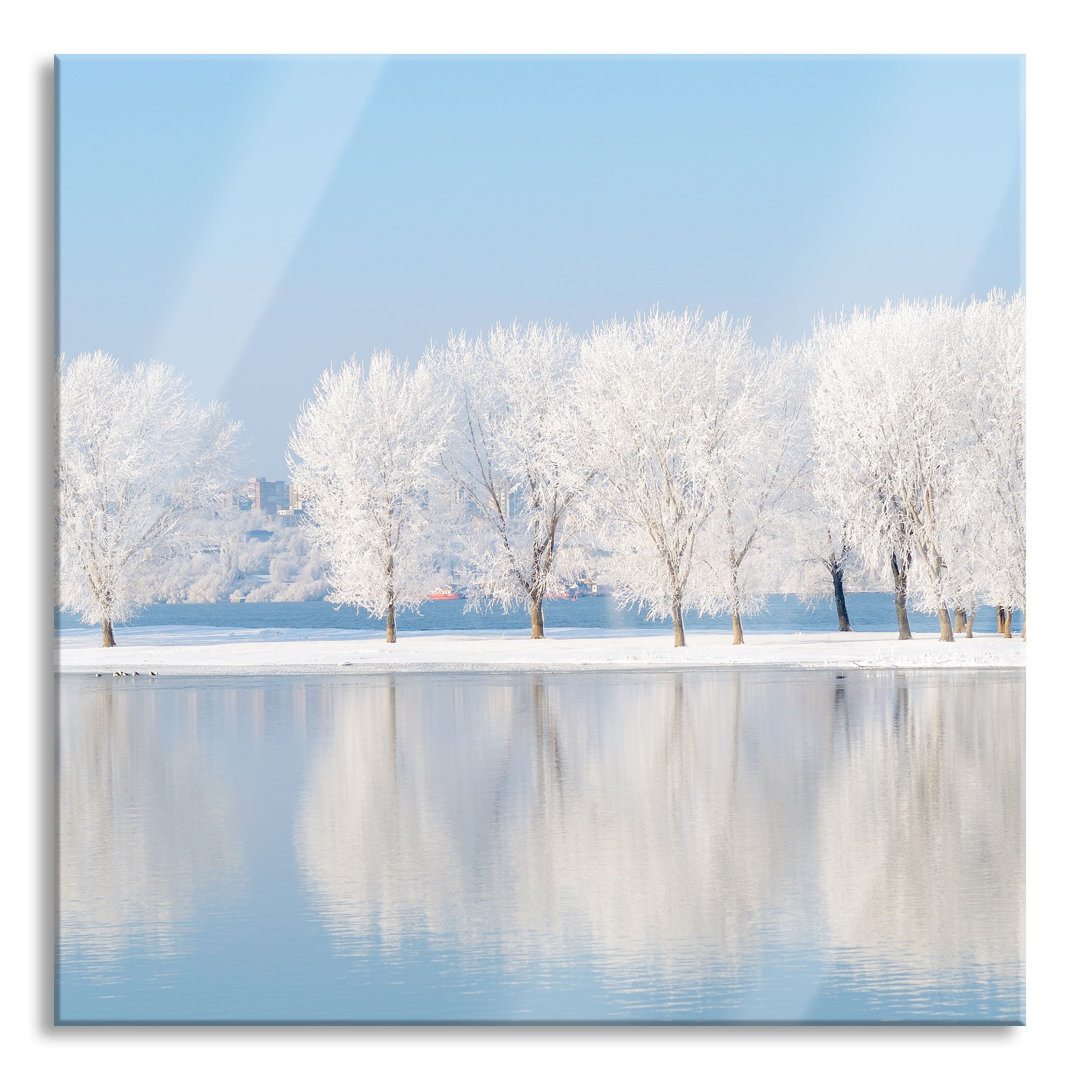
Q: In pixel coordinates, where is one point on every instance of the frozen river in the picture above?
(725, 846)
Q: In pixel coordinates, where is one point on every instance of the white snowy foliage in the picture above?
(285, 566)
(819, 541)
(694, 469)
(820, 537)
(994, 331)
(918, 422)
(512, 462)
(207, 574)
(139, 461)
(887, 427)
(243, 556)
(692, 436)
(764, 461)
(362, 454)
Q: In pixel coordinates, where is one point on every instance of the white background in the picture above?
(30, 1047)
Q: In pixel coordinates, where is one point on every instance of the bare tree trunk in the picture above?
(1023, 615)
(838, 595)
(959, 618)
(536, 614)
(1001, 620)
(943, 622)
(736, 628)
(969, 625)
(107, 639)
(676, 618)
(391, 615)
(900, 596)
(1008, 622)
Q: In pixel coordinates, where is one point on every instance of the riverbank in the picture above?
(204, 650)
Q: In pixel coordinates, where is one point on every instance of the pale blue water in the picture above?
(734, 846)
(784, 615)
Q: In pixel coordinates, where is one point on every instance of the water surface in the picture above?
(782, 614)
(721, 846)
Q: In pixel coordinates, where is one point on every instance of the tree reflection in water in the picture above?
(146, 823)
(696, 844)
(676, 821)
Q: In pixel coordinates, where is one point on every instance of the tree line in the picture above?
(698, 464)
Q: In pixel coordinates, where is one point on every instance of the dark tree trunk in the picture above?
(676, 618)
(107, 639)
(736, 628)
(838, 595)
(959, 618)
(969, 624)
(391, 592)
(1008, 623)
(945, 624)
(1001, 620)
(900, 596)
(536, 614)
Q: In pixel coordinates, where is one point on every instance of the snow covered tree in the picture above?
(897, 425)
(823, 550)
(138, 460)
(824, 523)
(362, 453)
(848, 488)
(994, 333)
(836, 554)
(512, 463)
(692, 446)
(758, 444)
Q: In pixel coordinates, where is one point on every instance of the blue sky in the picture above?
(254, 220)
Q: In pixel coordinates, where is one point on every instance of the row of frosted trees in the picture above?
(701, 467)
(891, 439)
(917, 423)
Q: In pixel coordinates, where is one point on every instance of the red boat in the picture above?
(444, 594)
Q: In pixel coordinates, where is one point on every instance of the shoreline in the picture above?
(216, 650)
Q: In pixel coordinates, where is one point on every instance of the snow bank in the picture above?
(189, 649)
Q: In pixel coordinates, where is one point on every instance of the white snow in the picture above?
(196, 649)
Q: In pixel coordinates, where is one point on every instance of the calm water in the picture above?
(703, 846)
(783, 615)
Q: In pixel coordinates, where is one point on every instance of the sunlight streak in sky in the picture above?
(280, 176)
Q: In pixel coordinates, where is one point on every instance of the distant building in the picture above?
(291, 516)
(273, 496)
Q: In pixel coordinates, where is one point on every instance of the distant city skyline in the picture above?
(253, 220)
